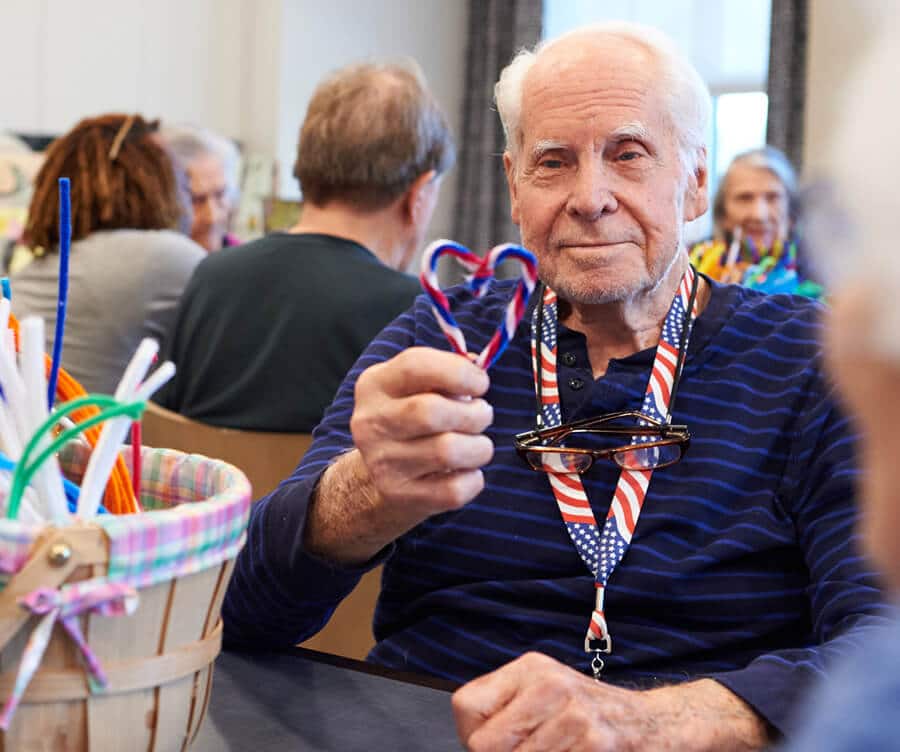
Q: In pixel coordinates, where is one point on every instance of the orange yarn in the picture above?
(118, 498)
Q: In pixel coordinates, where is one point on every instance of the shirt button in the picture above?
(576, 383)
(569, 359)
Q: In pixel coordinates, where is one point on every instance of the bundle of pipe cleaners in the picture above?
(42, 408)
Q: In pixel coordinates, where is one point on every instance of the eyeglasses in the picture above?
(632, 440)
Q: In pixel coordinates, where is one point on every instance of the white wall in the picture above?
(64, 60)
(318, 36)
(838, 39)
(245, 68)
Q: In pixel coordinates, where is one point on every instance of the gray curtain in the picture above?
(787, 77)
(497, 30)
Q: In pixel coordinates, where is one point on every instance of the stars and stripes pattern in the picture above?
(602, 550)
(482, 272)
(550, 410)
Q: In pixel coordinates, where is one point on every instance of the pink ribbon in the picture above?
(66, 604)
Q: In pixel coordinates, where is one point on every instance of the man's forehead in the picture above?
(606, 103)
(206, 170)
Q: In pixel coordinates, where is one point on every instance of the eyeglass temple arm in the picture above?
(565, 427)
(564, 430)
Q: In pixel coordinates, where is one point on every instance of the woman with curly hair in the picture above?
(128, 263)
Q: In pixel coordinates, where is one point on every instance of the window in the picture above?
(739, 123)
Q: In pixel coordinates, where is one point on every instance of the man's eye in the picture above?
(552, 164)
(629, 156)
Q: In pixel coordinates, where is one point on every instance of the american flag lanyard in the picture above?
(602, 551)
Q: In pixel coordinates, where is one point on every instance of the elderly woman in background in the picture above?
(755, 212)
(757, 199)
(128, 263)
(211, 163)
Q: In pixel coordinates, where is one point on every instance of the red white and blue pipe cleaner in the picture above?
(482, 272)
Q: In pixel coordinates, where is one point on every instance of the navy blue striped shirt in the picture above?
(743, 566)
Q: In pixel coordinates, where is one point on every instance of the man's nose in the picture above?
(591, 194)
(205, 209)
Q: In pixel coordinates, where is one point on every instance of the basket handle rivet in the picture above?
(59, 554)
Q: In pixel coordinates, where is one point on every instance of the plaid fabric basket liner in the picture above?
(196, 517)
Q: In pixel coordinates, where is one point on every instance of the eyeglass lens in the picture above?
(625, 454)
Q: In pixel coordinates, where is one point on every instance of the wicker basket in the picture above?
(157, 660)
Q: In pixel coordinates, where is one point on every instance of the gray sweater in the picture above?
(124, 285)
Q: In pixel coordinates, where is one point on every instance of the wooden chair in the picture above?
(267, 458)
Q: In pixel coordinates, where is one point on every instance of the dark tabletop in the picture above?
(303, 700)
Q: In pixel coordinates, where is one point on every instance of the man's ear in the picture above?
(417, 197)
(696, 200)
(510, 168)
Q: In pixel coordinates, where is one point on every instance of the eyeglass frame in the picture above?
(672, 434)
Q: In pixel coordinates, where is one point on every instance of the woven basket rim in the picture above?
(188, 537)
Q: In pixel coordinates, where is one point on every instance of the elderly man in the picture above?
(266, 332)
(211, 164)
(739, 579)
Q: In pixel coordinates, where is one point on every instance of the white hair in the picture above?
(687, 95)
(188, 142)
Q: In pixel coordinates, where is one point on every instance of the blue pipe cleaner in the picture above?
(65, 243)
(70, 488)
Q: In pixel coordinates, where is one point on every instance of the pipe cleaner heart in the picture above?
(482, 272)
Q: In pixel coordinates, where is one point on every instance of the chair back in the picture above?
(266, 457)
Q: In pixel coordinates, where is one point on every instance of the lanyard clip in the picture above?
(597, 644)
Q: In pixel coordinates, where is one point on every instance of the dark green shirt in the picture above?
(265, 332)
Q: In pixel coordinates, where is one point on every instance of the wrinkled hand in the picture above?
(536, 703)
(418, 426)
(418, 429)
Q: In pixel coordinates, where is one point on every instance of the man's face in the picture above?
(209, 199)
(597, 187)
(757, 202)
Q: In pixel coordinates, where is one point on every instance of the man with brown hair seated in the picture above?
(266, 332)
